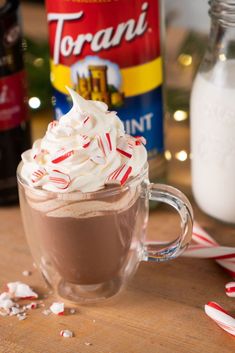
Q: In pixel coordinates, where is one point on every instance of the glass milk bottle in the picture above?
(213, 118)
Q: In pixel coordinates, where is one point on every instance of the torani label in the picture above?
(110, 51)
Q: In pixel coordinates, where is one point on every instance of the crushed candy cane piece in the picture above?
(22, 317)
(46, 312)
(124, 147)
(15, 311)
(88, 343)
(66, 333)
(31, 306)
(6, 304)
(38, 174)
(86, 141)
(72, 311)
(105, 143)
(59, 179)
(230, 289)
(5, 301)
(21, 290)
(140, 140)
(57, 308)
(120, 175)
(61, 155)
(26, 273)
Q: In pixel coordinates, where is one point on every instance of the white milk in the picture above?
(213, 141)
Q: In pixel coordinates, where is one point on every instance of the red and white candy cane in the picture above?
(221, 317)
(38, 174)
(139, 140)
(207, 248)
(66, 333)
(61, 156)
(105, 143)
(124, 147)
(120, 175)
(86, 141)
(230, 289)
(59, 179)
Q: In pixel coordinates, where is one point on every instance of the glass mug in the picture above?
(88, 245)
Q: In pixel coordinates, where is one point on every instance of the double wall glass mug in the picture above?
(88, 245)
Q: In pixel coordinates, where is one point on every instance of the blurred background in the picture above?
(186, 30)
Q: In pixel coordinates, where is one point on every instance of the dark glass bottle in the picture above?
(14, 123)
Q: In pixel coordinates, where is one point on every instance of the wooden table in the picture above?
(161, 310)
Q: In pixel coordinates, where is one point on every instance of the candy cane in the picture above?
(61, 155)
(86, 141)
(38, 174)
(31, 306)
(59, 179)
(212, 252)
(57, 308)
(230, 289)
(120, 175)
(221, 317)
(139, 140)
(21, 290)
(105, 143)
(66, 333)
(124, 147)
(206, 247)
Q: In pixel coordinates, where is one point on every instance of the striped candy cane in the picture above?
(38, 174)
(220, 317)
(105, 143)
(61, 155)
(59, 179)
(120, 175)
(230, 289)
(139, 140)
(207, 248)
(86, 141)
(124, 147)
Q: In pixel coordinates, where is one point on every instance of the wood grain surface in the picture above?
(160, 311)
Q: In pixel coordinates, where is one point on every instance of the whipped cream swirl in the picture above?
(84, 151)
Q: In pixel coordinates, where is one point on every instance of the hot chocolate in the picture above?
(87, 242)
(81, 201)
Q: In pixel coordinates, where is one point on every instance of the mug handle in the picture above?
(176, 199)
